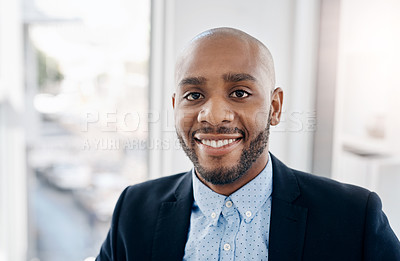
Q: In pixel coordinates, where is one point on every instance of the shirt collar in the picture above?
(209, 202)
(247, 200)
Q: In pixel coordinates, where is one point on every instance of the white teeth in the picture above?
(217, 143)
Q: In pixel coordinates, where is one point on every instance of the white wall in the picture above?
(368, 83)
(13, 198)
(288, 28)
(326, 86)
(367, 109)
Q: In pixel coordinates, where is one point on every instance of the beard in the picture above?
(227, 175)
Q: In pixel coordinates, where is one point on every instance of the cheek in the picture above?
(184, 121)
(256, 112)
(261, 119)
(255, 121)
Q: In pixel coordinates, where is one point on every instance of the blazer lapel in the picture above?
(288, 221)
(287, 226)
(173, 223)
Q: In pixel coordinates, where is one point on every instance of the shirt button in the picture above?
(248, 213)
(228, 204)
(213, 215)
(227, 247)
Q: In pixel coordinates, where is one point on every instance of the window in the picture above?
(87, 76)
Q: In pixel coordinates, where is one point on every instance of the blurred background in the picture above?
(85, 104)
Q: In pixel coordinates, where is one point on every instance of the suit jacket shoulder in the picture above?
(315, 218)
(326, 194)
(150, 220)
(162, 189)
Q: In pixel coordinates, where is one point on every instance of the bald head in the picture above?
(230, 33)
(226, 36)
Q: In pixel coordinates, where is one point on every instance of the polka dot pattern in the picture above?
(234, 227)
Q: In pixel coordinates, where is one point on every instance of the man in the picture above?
(240, 202)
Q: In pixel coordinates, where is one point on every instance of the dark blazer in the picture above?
(312, 218)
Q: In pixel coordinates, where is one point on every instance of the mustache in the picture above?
(218, 130)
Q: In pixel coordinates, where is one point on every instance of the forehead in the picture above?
(221, 55)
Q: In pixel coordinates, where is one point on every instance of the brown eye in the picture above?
(240, 94)
(193, 96)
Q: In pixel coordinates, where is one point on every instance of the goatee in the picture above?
(227, 175)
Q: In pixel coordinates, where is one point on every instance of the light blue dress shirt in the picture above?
(234, 227)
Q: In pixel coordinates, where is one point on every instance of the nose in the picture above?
(215, 112)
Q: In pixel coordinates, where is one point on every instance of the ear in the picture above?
(173, 101)
(276, 106)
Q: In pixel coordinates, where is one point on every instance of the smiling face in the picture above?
(223, 107)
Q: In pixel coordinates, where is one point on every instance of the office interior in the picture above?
(85, 104)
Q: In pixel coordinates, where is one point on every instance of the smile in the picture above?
(217, 143)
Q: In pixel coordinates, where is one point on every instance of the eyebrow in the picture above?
(193, 81)
(229, 77)
(238, 77)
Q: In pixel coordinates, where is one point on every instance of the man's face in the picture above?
(222, 109)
